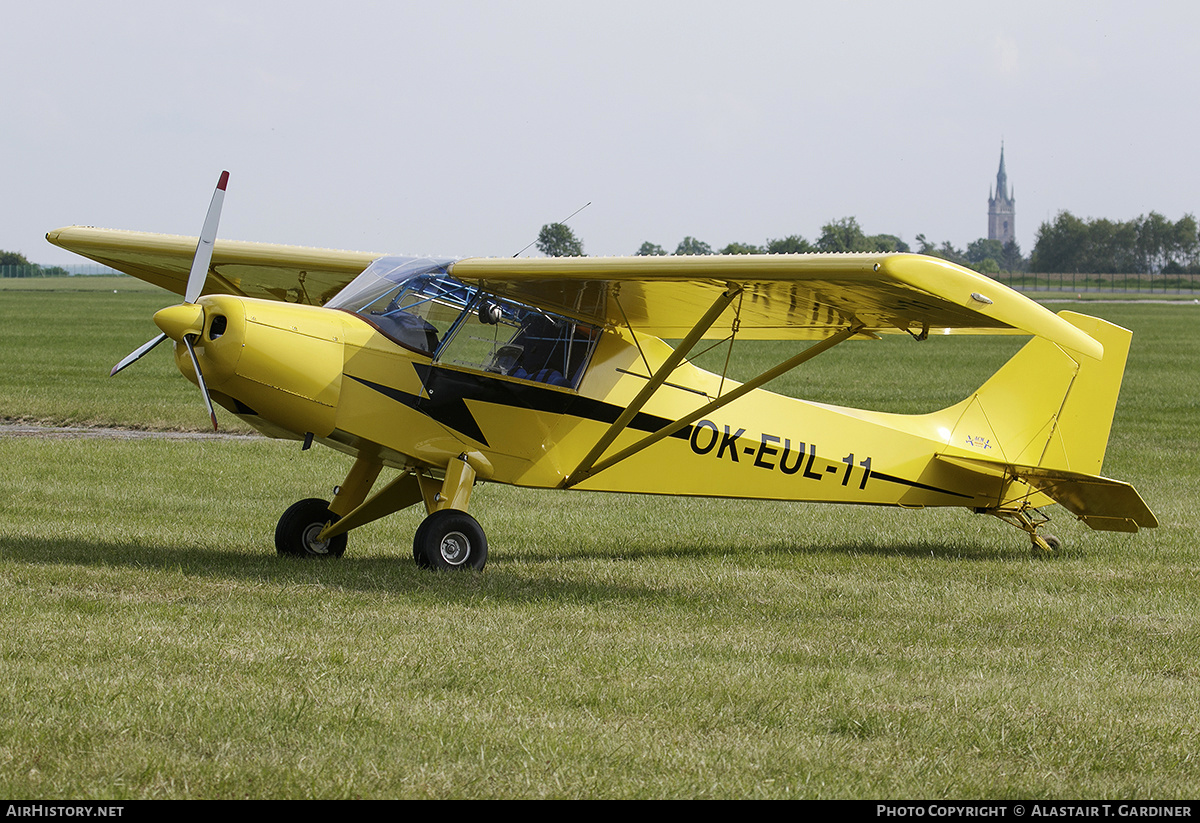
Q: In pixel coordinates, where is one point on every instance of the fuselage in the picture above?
(292, 370)
(551, 374)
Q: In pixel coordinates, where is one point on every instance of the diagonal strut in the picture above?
(581, 474)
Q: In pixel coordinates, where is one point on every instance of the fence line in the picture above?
(1183, 283)
(72, 270)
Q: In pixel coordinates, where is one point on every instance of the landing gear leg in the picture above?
(309, 528)
(449, 538)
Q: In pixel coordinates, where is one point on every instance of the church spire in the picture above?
(1002, 206)
(1002, 192)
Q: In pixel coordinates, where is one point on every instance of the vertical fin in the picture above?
(1044, 407)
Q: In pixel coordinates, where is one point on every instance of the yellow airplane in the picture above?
(553, 373)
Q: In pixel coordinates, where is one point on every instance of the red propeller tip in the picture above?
(224, 181)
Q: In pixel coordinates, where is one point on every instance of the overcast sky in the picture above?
(460, 128)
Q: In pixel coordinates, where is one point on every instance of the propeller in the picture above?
(186, 320)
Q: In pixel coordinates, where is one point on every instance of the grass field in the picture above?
(615, 647)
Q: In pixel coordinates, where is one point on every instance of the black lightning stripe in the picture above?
(448, 391)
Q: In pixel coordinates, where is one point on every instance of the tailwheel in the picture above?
(296, 534)
(450, 539)
(1031, 521)
(1047, 543)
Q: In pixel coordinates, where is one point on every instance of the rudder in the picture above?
(1046, 406)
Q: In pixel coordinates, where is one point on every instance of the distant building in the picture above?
(1002, 207)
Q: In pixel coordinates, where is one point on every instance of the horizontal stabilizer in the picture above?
(1101, 503)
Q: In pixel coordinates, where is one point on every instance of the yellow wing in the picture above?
(789, 297)
(802, 296)
(290, 273)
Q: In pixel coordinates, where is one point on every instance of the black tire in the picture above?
(418, 543)
(296, 534)
(450, 540)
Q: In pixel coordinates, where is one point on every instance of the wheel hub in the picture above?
(455, 548)
(311, 542)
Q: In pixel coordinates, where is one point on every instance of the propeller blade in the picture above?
(192, 314)
(137, 354)
(204, 248)
(187, 341)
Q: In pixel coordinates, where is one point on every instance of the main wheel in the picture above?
(296, 534)
(450, 539)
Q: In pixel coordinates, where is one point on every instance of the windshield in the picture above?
(410, 299)
(416, 303)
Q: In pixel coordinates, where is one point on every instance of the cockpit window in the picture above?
(503, 337)
(415, 302)
(411, 300)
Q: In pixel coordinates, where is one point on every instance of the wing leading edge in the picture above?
(291, 273)
(780, 297)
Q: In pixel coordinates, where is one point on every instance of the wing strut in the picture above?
(584, 469)
(587, 469)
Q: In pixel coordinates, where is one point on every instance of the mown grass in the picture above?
(616, 646)
(57, 347)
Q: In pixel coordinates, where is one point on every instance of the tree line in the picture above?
(1068, 244)
(14, 264)
(1150, 244)
(837, 236)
